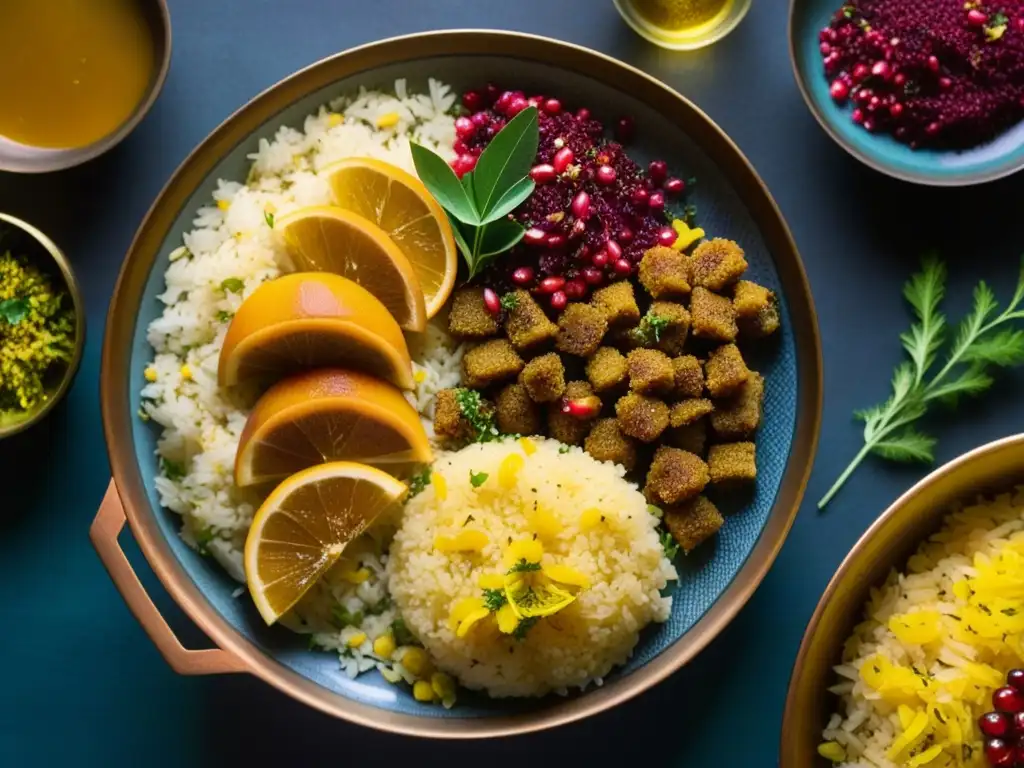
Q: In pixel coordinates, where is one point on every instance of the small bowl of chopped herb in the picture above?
(42, 325)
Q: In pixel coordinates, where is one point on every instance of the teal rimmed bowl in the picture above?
(714, 584)
(941, 168)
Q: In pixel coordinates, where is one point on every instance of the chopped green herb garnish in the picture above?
(13, 310)
(523, 627)
(379, 607)
(985, 339)
(232, 285)
(650, 328)
(476, 479)
(312, 643)
(223, 316)
(509, 302)
(669, 544)
(418, 482)
(173, 470)
(401, 632)
(656, 511)
(523, 566)
(269, 218)
(563, 449)
(494, 599)
(203, 537)
(480, 417)
(343, 617)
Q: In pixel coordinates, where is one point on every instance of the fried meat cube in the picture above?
(490, 363)
(581, 327)
(526, 325)
(725, 371)
(717, 263)
(618, 303)
(740, 416)
(687, 412)
(693, 522)
(675, 476)
(665, 273)
(517, 414)
(607, 443)
(732, 464)
(642, 417)
(689, 376)
(712, 316)
(571, 428)
(544, 378)
(606, 369)
(650, 372)
(469, 318)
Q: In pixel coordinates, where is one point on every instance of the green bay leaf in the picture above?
(515, 196)
(443, 184)
(506, 160)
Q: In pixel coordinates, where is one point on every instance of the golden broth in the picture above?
(686, 17)
(71, 71)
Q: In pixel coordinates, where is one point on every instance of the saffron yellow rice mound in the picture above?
(525, 567)
(920, 670)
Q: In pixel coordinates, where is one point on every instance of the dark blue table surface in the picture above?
(81, 683)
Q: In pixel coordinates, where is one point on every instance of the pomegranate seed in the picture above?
(562, 159)
(1020, 23)
(622, 267)
(1017, 722)
(555, 241)
(558, 300)
(932, 129)
(823, 34)
(522, 275)
(503, 101)
(838, 91)
(658, 171)
(999, 753)
(480, 119)
(869, 125)
(491, 93)
(825, 49)
(578, 228)
(467, 162)
(460, 147)
(1007, 699)
(551, 284)
(614, 250)
(581, 205)
(535, 101)
(472, 100)
(1015, 679)
(517, 105)
(874, 104)
(994, 724)
(640, 197)
(1018, 753)
(656, 201)
(874, 37)
(464, 127)
(933, 63)
(624, 129)
(575, 289)
(896, 110)
(543, 173)
(831, 63)
(899, 80)
(600, 259)
(860, 71)
(675, 186)
(625, 235)
(605, 175)
(593, 275)
(582, 114)
(976, 18)
(535, 236)
(667, 236)
(491, 301)
(863, 95)
(582, 407)
(945, 83)
(552, 106)
(857, 116)
(882, 69)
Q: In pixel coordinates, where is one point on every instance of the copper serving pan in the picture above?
(127, 499)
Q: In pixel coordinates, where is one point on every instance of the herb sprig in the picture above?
(478, 205)
(477, 413)
(14, 310)
(983, 341)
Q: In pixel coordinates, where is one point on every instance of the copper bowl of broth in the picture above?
(683, 25)
(88, 72)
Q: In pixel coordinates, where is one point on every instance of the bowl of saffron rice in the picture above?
(42, 325)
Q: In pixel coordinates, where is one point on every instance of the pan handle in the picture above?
(105, 529)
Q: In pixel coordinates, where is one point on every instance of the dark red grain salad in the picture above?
(944, 74)
(594, 211)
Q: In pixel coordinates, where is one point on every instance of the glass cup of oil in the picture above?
(683, 25)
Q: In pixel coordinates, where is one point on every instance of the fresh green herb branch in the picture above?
(478, 205)
(983, 341)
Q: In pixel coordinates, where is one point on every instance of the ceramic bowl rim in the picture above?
(410, 49)
(75, 291)
(62, 159)
(797, 679)
(955, 180)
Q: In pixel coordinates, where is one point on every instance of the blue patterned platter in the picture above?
(714, 583)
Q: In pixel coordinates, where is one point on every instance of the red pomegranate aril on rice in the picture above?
(1015, 679)
(562, 159)
(1007, 699)
(999, 753)
(994, 724)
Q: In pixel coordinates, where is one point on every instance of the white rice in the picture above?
(232, 240)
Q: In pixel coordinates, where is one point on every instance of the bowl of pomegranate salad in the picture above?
(553, 409)
(931, 93)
